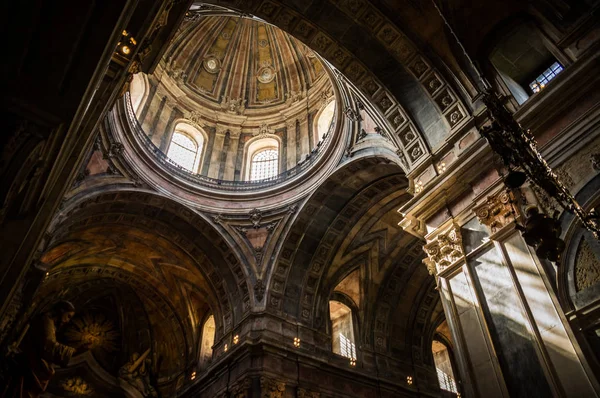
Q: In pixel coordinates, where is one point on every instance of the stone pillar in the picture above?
(304, 135)
(232, 154)
(215, 154)
(290, 159)
(511, 337)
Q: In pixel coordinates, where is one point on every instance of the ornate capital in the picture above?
(302, 393)
(271, 388)
(240, 390)
(497, 211)
(443, 250)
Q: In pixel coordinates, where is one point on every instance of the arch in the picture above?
(183, 150)
(254, 146)
(573, 235)
(185, 230)
(197, 134)
(302, 264)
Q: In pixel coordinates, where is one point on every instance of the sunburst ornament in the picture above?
(95, 330)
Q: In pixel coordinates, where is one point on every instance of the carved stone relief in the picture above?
(587, 266)
(271, 388)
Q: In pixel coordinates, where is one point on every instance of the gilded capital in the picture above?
(443, 250)
(497, 211)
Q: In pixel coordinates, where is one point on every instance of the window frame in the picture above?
(256, 145)
(349, 303)
(254, 162)
(205, 360)
(195, 134)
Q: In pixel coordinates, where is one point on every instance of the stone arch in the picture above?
(295, 285)
(576, 239)
(186, 230)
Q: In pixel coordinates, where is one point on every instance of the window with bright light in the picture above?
(325, 119)
(183, 150)
(443, 366)
(342, 329)
(347, 347)
(208, 340)
(542, 80)
(264, 164)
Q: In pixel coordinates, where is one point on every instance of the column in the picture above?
(511, 337)
(215, 154)
(304, 135)
(290, 156)
(232, 153)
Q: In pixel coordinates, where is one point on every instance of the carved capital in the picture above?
(497, 211)
(443, 250)
(240, 389)
(303, 393)
(270, 388)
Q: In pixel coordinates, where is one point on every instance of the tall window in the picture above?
(264, 164)
(183, 150)
(208, 340)
(325, 119)
(342, 329)
(443, 366)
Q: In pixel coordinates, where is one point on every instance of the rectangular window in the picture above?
(542, 80)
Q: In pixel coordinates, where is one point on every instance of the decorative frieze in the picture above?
(444, 250)
(497, 211)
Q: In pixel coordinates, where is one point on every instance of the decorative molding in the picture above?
(259, 290)
(218, 219)
(352, 114)
(444, 250)
(497, 211)
(236, 106)
(114, 150)
(255, 216)
(587, 266)
(595, 161)
(263, 131)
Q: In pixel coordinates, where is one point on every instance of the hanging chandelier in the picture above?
(517, 148)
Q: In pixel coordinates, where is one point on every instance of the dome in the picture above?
(236, 102)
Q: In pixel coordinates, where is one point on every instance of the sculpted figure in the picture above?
(136, 372)
(33, 366)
